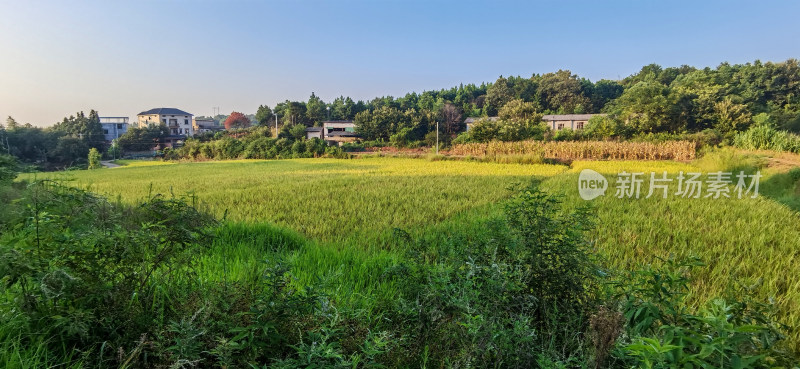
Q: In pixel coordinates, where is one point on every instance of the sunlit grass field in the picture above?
(755, 242)
(335, 220)
(325, 199)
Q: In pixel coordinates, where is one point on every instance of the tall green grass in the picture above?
(765, 137)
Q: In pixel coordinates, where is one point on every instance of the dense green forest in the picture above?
(670, 102)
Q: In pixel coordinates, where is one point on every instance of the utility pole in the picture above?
(437, 137)
(276, 124)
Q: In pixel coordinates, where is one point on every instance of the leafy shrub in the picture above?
(508, 297)
(352, 146)
(732, 332)
(504, 130)
(8, 169)
(336, 152)
(228, 148)
(260, 148)
(315, 147)
(518, 130)
(567, 135)
(401, 138)
(94, 159)
(81, 269)
(375, 143)
(604, 127)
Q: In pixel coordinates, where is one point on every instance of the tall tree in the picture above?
(451, 119)
(646, 108)
(264, 115)
(315, 110)
(498, 95)
(237, 120)
(518, 109)
(11, 123)
(561, 92)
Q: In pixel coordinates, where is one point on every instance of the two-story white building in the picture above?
(178, 121)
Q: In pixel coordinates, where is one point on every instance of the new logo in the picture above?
(591, 184)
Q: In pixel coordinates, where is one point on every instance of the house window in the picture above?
(579, 125)
(105, 131)
(560, 126)
(185, 121)
(119, 126)
(164, 121)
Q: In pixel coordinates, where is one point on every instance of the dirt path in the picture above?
(109, 164)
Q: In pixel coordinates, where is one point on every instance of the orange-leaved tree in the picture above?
(237, 120)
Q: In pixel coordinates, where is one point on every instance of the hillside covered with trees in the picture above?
(668, 103)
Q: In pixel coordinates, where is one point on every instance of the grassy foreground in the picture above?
(349, 210)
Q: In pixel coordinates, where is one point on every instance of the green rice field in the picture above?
(336, 220)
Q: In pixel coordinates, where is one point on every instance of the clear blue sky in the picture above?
(123, 57)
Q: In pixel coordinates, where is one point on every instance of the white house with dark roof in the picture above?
(178, 121)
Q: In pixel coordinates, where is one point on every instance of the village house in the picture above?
(177, 121)
(334, 131)
(206, 125)
(314, 132)
(558, 122)
(113, 127)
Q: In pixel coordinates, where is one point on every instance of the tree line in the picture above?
(63, 145)
(667, 101)
(673, 100)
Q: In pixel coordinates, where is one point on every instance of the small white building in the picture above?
(113, 127)
(314, 132)
(558, 122)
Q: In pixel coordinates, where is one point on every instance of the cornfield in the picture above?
(583, 150)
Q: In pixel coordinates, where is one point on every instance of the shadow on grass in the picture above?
(782, 187)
